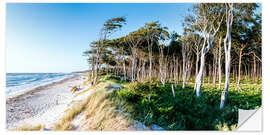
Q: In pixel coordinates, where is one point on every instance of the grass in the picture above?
(82, 91)
(69, 114)
(101, 115)
(186, 111)
(105, 81)
(98, 111)
(28, 127)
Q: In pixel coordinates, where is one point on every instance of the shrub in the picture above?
(73, 89)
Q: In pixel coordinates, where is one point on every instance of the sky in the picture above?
(49, 37)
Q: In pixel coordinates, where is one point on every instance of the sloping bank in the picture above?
(95, 108)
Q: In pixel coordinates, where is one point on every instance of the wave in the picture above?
(17, 82)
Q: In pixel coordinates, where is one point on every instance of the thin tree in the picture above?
(227, 49)
(208, 21)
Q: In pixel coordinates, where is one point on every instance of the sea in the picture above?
(19, 82)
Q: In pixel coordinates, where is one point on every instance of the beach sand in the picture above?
(41, 105)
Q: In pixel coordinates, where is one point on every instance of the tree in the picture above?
(109, 27)
(208, 21)
(227, 48)
(133, 40)
(219, 62)
(186, 58)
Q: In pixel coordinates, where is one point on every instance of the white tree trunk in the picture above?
(219, 63)
(124, 68)
(173, 91)
(133, 68)
(184, 65)
(197, 59)
(229, 21)
(209, 37)
(198, 82)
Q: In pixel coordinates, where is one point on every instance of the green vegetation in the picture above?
(185, 111)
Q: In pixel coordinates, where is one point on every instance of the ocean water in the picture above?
(18, 82)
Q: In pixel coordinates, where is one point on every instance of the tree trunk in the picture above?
(133, 68)
(150, 65)
(214, 70)
(219, 63)
(227, 55)
(198, 83)
(209, 73)
(143, 70)
(197, 60)
(254, 65)
(184, 65)
(239, 69)
(124, 68)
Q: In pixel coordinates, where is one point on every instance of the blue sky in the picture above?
(52, 37)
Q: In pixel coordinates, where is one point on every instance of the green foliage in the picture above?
(109, 77)
(186, 111)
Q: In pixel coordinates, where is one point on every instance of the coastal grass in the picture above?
(69, 114)
(83, 91)
(101, 114)
(28, 127)
(86, 82)
(100, 86)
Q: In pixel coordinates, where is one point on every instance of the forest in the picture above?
(196, 80)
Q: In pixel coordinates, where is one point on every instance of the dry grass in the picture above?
(69, 114)
(101, 115)
(28, 127)
(83, 91)
(87, 82)
(97, 87)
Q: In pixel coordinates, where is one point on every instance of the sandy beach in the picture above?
(41, 105)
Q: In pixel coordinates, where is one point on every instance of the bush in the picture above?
(110, 77)
(73, 89)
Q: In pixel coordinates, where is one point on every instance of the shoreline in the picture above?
(41, 104)
(27, 90)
